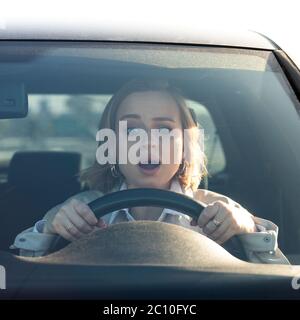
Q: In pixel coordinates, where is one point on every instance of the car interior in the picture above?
(249, 119)
(36, 182)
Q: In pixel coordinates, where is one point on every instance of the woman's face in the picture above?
(150, 110)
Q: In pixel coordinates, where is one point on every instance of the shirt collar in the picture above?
(175, 187)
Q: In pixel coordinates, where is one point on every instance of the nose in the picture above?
(149, 141)
(150, 145)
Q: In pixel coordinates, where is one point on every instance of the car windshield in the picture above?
(240, 98)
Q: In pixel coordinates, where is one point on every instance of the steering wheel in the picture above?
(143, 197)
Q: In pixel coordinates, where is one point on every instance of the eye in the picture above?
(133, 130)
(164, 130)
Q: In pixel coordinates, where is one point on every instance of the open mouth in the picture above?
(149, 168)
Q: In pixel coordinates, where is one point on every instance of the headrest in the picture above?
(37, 169)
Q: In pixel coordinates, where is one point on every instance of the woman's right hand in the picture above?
(73, 220)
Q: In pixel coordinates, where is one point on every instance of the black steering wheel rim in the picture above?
(143, 197)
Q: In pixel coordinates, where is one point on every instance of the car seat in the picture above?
(36, 182)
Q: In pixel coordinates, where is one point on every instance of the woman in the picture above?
(148, 106)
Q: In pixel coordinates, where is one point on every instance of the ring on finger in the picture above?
(216, 223)
(70, 228)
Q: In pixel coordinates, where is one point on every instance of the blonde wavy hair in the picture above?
(193, 168)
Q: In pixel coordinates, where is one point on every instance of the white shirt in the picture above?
(167, 215)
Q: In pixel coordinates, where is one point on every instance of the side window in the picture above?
(57, 123)
(216, 161)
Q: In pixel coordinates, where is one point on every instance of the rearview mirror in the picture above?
(13, 100)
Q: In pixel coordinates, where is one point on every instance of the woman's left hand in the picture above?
(221, 221)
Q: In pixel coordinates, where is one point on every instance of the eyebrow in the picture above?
(131, 115)
(136, 116)
(163, 119)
